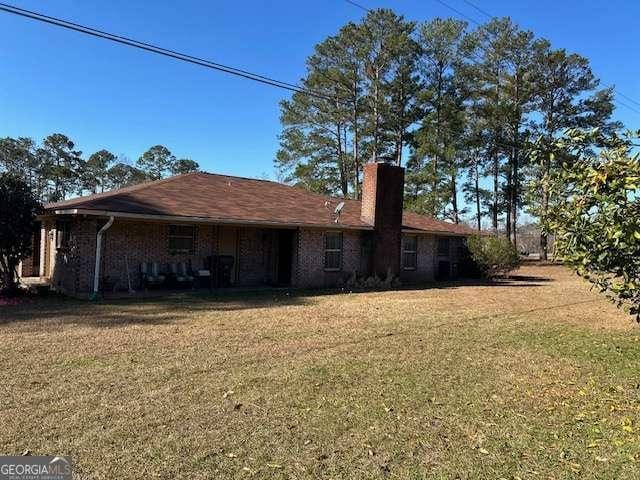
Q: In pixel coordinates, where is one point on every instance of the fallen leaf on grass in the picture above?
(576, 467)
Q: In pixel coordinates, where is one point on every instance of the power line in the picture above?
(159, 50)
(476, 7)
(463, 15)
(362, 7)
(490, 16)
(627, 97)
(476, 61)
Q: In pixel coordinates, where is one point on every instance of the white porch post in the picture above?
(43, 250)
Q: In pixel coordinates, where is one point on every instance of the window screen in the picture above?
(333, 251)
(182, 239)
(410, 252)
(443, 246)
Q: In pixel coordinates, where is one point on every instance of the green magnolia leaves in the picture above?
(596, 215)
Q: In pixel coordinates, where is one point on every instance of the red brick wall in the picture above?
(72, 269)
(139, 242)
(256, 256)
(428, 258)
(28, 267)
(309, 266)
(425, 269)
(136, 242)
(382, 205)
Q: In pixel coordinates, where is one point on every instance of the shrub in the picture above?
(596, 216)
(360, 283)
(18, 209)
(494, 255)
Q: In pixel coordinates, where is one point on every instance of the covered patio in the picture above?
(156, 257)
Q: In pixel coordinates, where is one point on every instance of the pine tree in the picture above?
(433, 168)
(156, 162)
(566, 97)
(61, 166)
(95, 170)
(184, 165)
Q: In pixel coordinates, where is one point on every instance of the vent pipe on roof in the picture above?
(96, 272)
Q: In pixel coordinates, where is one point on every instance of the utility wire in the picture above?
(463, 15)
(476, 7)
(160, 50)
(362, 7)
(448, 131)
(490, 16)
(475, 60)
(487, 14)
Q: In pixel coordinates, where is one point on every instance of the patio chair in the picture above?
(181, 273)
(151, 276)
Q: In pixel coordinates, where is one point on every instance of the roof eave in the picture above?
(217, 221)
(422, 231)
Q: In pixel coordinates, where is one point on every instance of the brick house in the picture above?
(275, 233)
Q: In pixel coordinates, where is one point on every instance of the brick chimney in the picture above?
(382, 198)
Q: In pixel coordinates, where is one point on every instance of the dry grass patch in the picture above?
(533, 378)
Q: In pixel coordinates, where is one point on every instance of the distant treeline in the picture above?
(55, 170)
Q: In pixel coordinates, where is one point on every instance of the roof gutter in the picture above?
(96, 272)
(220, 221)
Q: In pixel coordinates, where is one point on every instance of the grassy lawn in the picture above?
(535, 378)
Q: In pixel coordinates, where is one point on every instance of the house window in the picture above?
(333, 251)
(443, 246)
(182, 239)
(63, 234)
(410, 252)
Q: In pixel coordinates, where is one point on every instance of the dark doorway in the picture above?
(285, 257)
(444, 270)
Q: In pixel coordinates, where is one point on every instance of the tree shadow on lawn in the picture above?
(519, 281)
(57, 309)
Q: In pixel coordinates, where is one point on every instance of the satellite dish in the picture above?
(337, 211)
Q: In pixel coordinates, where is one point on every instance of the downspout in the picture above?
(96, 272)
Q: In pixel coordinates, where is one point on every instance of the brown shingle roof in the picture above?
(235, 199)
